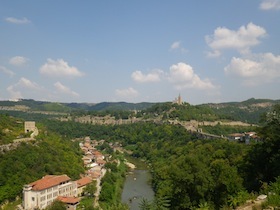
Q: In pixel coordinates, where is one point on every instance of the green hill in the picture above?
(10, 128)
(246, 111)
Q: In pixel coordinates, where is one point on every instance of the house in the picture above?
(236, 136)
(101, 162)
(94, 174)
(82, 183)
(71, 202)
(41, 193)
(87, 160)
(251, 136)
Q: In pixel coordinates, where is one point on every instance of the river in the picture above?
(137, 187)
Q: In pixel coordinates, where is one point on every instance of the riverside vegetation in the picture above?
(187, 173)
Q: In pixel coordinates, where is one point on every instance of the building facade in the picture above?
(29, 126)
(41, 193)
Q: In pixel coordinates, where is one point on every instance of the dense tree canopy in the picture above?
(262, 162)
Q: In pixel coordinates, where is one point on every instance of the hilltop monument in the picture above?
(178, 100)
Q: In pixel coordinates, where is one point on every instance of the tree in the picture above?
(262, 162)
(162, 203)
(90, 189)
(57, 205)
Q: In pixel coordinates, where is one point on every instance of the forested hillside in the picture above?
(10, 128)
(30, 104)
(247, 111)
(49, 154)
(188, 172)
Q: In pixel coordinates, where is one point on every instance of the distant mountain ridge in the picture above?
(30, 104)
(248, 111)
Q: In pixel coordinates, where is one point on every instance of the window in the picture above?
(49, 196)
(43, 198)
(33, 199)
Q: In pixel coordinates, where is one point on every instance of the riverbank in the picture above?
(138, 163)
(137, 184)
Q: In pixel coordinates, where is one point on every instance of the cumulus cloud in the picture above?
(22, 84)
(270, 5)
(183, 76)
(17, 20)
(154, 76)
(7, 71)
(126, 93)
(26, 83)
(65, 90)
(241, 40)
(177, 46)
(18, 60)
(262, 68)
(59, 68)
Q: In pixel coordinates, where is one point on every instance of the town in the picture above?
(41, 193)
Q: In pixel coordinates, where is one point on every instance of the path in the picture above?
(98, 188)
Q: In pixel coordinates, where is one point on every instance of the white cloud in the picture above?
(270, 5)
(154, 76)
(175, 45)
(22, 85)
(183, 76)
(18, 60)
(242, 39)
(17, 20)
(14, 94)
(262, 68)
(65, 90)
(7, 71)
(214, 54)
(126, 93)
(26, 83)
(59, 68)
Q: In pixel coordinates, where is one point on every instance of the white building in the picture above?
(41, 193)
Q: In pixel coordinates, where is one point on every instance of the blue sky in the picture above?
(139, 51)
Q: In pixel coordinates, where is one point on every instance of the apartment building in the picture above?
(41, 193)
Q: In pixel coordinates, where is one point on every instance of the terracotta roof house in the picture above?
(82, 183)
(94, 174)
(43, 192)
(100, 162)
(236, 136)
(71, 202)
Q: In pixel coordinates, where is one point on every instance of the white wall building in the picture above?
(43, 192)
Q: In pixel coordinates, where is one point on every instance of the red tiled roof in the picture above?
(68, 200)
(84, 181)
(101, 161)
(49, 181)
(97, 153)
(236, 134)
(94, 175)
